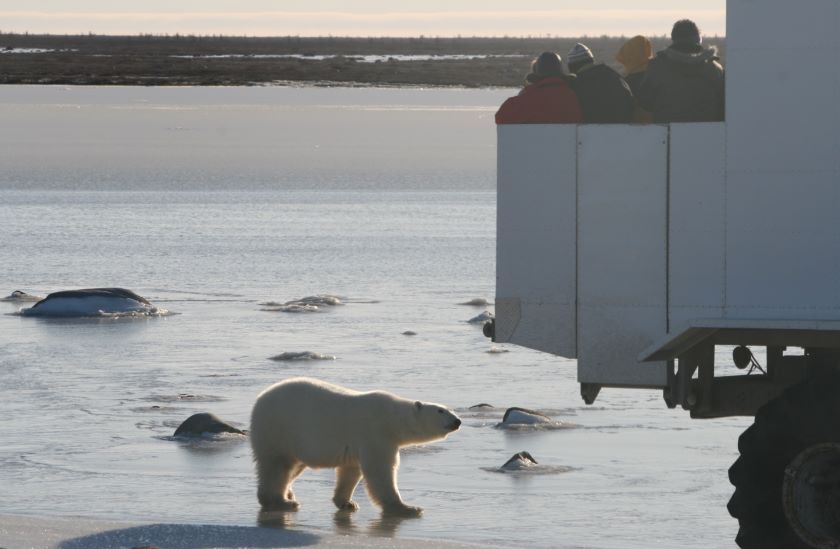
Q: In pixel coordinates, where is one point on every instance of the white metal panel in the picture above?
(622, 177)
(782, 110)
(783, 149)
(781, 115)
(536, 237)
(757, 23)
(697, 236)
(783, 257)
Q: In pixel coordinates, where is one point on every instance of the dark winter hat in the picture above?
(685, 31)
(579, 54)
(546, 65)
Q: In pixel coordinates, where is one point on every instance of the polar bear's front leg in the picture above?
(380, 471)
(274, 484)
(346, 480)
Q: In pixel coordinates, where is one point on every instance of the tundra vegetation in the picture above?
(229, 60)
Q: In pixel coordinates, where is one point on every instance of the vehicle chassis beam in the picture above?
(707, 396)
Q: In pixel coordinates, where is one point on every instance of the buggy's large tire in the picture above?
(804, 416)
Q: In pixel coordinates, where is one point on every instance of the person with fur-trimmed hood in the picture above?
(546, 97)
(685, 82)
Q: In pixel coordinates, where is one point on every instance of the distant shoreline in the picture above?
(242, 61)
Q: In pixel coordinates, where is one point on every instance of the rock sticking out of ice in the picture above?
(497, 350)
(300, 355)
(525, 464)
(19, 296)
(308, 304)
(523, 416)
(482, 318)
(522, 460)
(477, 302)
(199, 424)
(93, 302)
(522, 419)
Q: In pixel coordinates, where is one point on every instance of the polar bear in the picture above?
(302, 422)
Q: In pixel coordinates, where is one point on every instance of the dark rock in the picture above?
(197, 424)
(524, 416)
(477, 302)
(519, 461)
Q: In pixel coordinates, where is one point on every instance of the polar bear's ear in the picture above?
(418, 404)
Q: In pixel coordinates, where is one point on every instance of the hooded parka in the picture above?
(684, 86)
(604, 95)
(547, 101)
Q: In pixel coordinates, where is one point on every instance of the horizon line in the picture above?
(340, 36)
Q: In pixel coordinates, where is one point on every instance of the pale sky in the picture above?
(361, 17)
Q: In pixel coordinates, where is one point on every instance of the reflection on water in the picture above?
(281, 520)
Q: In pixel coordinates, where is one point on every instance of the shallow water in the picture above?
(211, 201)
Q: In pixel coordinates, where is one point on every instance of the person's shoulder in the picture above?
(659, 61)
(603, 68)
(510, 110)
(607, 73)
(512, 101)
(660, 57)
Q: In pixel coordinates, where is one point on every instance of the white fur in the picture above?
(301, 422)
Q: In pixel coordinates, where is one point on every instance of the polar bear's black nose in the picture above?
(456, 424)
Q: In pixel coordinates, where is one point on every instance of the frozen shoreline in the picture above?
(28, 532)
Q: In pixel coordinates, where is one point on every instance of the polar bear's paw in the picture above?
(348, 505)
(275, 503)
(402, 510)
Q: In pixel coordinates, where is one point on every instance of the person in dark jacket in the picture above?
(635, 56)
(546, 97)
(604, 95)
(685, 82)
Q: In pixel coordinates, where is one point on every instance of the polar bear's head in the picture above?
(433, 421)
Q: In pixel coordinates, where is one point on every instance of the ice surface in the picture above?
(392, 205)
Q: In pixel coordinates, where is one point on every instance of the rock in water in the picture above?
(198, 424)
(523, 416)
(497, 350)
(92, 302)
(482, 318)
(320, 300)
(300, 355)
(308, 304)
(481, 406)
(522, 460)
(477, 302)
(19, 297)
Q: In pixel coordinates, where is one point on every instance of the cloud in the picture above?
(556, 22)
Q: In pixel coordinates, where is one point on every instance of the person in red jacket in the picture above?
(546, 98)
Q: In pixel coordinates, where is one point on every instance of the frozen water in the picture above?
(275, 192)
